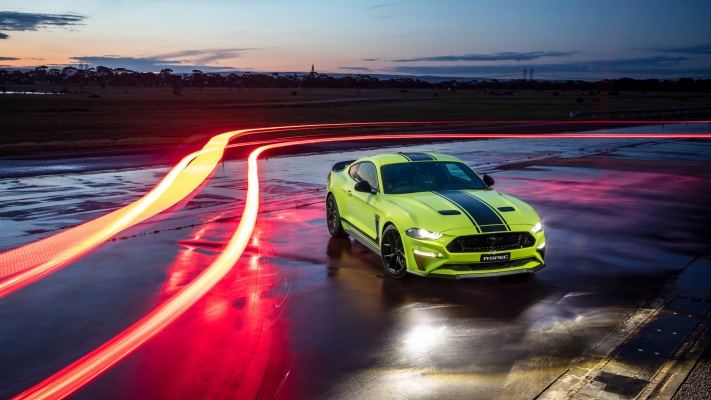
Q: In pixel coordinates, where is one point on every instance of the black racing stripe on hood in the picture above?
(493, 209)
(417, 156)
(484, 217)
(461, 208)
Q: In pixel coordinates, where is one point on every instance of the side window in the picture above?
(367, 172)
(462, 177)
(353, 171)
(456, 171)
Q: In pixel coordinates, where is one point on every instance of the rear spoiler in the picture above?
(339, 166)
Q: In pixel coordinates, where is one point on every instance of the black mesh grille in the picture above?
(491, 242)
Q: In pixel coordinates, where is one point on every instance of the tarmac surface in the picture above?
(621, 311)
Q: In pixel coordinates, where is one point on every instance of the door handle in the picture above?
(349, 193)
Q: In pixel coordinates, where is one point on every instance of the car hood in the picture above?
(490, 210)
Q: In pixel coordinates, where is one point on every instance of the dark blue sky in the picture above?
(573, 39)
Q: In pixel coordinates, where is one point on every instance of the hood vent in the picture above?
(449, 212)
(505, 209)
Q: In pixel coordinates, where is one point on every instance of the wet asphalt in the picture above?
(303, 315)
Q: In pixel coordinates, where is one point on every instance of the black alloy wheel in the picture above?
(333, 218)
(393, 252)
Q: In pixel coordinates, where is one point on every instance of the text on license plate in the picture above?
(496, 257)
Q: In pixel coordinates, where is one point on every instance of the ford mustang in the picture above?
(430, 214)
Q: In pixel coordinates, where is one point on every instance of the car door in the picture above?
(359, 205)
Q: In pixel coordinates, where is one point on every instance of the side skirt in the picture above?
(359, 237)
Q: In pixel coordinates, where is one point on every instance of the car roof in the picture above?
(404, 157)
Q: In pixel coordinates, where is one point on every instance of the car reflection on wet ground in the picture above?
(307, 316)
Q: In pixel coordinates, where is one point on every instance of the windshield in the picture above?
(428, 176)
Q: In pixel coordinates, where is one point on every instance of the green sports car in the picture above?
(429, 214)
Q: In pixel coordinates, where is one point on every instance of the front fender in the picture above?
(392, 215)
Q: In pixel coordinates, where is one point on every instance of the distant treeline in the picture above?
(104, 76)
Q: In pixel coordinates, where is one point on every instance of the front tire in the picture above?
(393, 253)
(333, 218)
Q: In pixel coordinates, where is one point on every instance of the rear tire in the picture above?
(393, 253)
(333, 218)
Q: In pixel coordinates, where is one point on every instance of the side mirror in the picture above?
(363, 186)
(488, 180)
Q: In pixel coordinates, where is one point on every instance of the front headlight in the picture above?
(418, 233)
(537, 228)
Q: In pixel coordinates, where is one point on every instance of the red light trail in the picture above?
(191, 172)
(26, 264)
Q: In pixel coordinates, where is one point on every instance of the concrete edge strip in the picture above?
(667, 380)
(674, 373)
(583, 371)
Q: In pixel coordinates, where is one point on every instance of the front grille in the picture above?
(490, 242)
(488, 265)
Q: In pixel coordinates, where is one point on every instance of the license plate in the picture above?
(496, 257)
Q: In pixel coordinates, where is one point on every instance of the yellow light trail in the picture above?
(26, 264)
(31, 262)
(82, 371)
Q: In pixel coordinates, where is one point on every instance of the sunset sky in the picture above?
(568, 39)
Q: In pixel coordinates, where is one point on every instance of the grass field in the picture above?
(121, 118)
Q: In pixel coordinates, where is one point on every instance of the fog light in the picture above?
(542, 250)
(427, 254)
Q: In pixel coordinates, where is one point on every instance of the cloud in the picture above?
(19, 21)
(8, 59)
(178, 61)
(361, 69)
(379, 8)
(644, 67)
(153, 64)
(206, 56)
(656, 61)
(504, 56)
(371, 59)
(383, 5)
(698, 49)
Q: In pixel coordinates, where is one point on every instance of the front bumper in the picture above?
(481, 274)
(431, 258)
